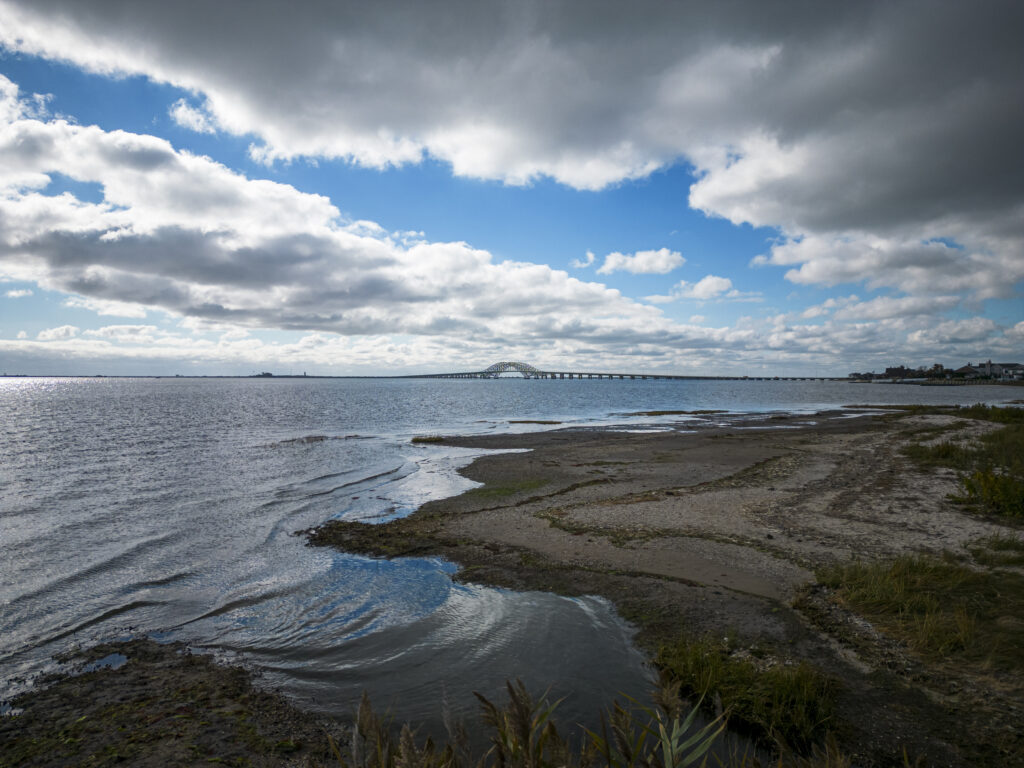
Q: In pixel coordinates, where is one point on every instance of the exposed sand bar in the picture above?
(748, 510)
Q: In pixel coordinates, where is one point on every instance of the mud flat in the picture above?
(717, 536)
(143, 703)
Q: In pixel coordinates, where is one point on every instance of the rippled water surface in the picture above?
(169, 507)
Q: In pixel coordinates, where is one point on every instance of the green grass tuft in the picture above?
(993, 468)
(940, 608)
(943, 454)
(999, 550)
(790, 704)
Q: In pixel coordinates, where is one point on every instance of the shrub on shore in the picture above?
(995, 492)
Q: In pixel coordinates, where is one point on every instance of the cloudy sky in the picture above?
(330, 187)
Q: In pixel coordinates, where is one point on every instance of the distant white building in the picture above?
(990, 370)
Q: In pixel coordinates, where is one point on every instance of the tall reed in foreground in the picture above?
(523, 735)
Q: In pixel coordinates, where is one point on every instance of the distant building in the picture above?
(987, 370)
(990, 370)
(968, 371)
(1011, 371)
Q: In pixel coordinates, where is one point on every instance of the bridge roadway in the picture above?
(587, 375)
(529, 372)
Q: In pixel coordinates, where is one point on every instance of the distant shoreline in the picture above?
(635, 377)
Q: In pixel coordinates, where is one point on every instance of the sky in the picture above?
(332, 188)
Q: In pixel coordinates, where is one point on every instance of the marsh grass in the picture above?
(944, 454)
(522, 734)
(999, 550)
(993, 468)
(428, 439)
(994, 413)
(939, 607)
(789, 704)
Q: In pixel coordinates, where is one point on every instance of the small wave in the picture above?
(303, 490)
(105, 616)
(165, 580)
(119, 560)
(239, 603)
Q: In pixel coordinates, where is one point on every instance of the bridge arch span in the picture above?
(512, 367)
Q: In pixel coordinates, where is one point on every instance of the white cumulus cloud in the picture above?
(187, 116)
(584, 262)
(708, 288)
(58, 333)
(659, 262)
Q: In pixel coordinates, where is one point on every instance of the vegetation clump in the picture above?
(940, 607)
(999, 550)
(523, 735)
(428, 439)
(789, 704)
(163, 707)
(394, 539)
(993, 469)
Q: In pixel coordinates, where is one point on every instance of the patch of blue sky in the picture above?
(542, 222)
(86, 191)
(33, 313)
(135, 104)
(1007, 312)
(1003, 312)
(946, 241)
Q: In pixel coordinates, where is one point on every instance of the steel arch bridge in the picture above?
(528, 371)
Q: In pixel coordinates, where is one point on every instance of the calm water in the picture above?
(169, 507)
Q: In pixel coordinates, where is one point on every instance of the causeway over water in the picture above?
(526, 371)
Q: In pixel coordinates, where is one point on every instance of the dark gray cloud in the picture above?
(894, 120)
